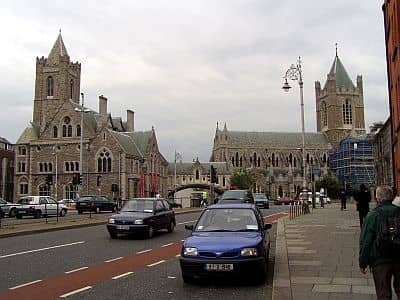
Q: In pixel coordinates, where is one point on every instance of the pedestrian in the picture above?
(321, 197)
(383, 267)
(362, 197)
(343, 198)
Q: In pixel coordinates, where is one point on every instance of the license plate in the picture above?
(123, 227)
(22, 212)
(219, 267)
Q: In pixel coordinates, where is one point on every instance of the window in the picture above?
(40, 167)
(23, 188)
(44, 190)
(67, 127)
(21, 166)
(55, 131)
(347, 112)
(50, 86)
(237, 160)
(71, 191)
(324, 116)
(21, 151)
(71, 89)
(197, 175)
(104, 161)
(78, 130)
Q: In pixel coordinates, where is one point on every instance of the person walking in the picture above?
(383, 268)
(343, 198)
(362, 197)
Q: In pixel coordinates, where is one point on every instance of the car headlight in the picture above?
(111, 221)
(139, 222)
(190, 251)
(249, 252)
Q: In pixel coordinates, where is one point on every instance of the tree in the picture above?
(241, 179)
(330, 183)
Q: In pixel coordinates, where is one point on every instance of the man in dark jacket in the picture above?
(343, 198)
(362, 197)
(383, 268)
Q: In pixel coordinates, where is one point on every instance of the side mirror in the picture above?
(189, 227)
(267, 226)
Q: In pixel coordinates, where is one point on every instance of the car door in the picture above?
(52, 204)
(160, 215)
(43, 206)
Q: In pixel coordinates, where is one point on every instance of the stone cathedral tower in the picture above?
(57, 81)
(340, 104)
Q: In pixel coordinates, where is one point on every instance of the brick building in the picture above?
(383, 155)
(7, 157)
(117, 161)
(391, 15)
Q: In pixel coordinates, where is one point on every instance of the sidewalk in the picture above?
(52, 225)
(317, 257)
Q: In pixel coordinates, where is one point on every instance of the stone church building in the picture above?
(117, 161)
(276, 157)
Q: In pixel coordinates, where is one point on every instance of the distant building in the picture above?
(339, 104)
(391, 22)
(7, 157)
(353, 160)
(383, 155)
(117, 161)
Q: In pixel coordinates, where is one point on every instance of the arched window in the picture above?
(67, 127)
(71, 166)
(258, 162)
(324, 158)
(291, 159)
(294, 162)
(50, 86)
(324, 115)
(40, 167)
(277, 161)
(255, 159)
(55, 131)
(70, 191)
(69, 131)
(233, 161)
(197, 175)
(237, 160)
(50, 167)
(273, 159)
(347, 112)
(44, 190)
(76, 166)
(280, 191)
(45, 167)
(78, 130)
(241, 161)
(104, 161)
(71, 89)
(66, 166)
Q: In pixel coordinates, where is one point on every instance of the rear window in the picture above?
(87, 199)
(233, 195)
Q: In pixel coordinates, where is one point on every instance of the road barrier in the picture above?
(296, 209)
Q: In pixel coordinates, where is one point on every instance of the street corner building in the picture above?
(115, 160)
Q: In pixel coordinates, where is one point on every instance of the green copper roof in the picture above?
(275, 139)
(342, 78)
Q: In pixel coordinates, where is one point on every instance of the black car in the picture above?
(2, 214)
(96, 204)
(142, 215)
(236, 196)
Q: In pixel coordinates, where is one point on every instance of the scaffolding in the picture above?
(353, 160)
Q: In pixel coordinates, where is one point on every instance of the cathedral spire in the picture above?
(58, 49)
(339, 72)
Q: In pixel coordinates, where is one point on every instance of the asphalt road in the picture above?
(68, 257)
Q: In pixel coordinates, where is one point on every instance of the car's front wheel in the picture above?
(11, 213)
(63, 212)
(171, 226)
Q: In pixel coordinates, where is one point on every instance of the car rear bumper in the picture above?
(196, 267)
(115, 228)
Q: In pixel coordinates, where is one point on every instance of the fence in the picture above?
(296, 209)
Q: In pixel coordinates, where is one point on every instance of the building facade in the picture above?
(353, 160)
(391, 23)
(339, 104)
(115, 160)
(383, 155)
(275, 158)
(7, 157)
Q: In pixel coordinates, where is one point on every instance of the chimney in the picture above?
(130, 120)
(103, 105)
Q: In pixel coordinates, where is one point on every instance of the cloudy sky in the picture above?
(184, 65)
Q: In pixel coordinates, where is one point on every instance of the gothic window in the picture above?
(21, 166)
(255, 159)
(66, 166)
(233, 161)
(71, 191)
(273, 159)
(50, 86)
(67, 127)
(197, 175)
(71, 89)
(44, 190)
(50, 167)
(76, 166)
(45, 167)
(104, 161)
(40, 167)
(291, 159)
(21, 150)
(237, 159)
(69, 130)
(277, 161)
(258, 162)
(294, 162)
(241, 161)
(55, 131)
(23, 188)
(324, 158)
(347, 112)
(78, 130)
(324, 115)
(308, 158)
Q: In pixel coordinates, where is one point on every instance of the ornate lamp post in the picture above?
(294, 73)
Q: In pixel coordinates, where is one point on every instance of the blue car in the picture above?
(261, 200)
(227, 240)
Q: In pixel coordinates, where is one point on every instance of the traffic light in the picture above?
(80, 179)
(213, 174)
(49, 180)
(75, 178)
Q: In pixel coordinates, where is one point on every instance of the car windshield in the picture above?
(227, 219)
(138, 205)
(229, 195)
(24, 201)
(259, 196)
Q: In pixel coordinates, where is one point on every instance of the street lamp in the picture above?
(294, 73)
(55, 151)
(176, 157)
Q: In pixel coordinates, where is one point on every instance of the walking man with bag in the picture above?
(362, 197)
(378, 245)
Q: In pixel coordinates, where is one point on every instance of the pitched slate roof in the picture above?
(275, 139)
(133, 143)
(342, 78)
(27, 135)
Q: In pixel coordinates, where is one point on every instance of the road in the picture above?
(59, 262)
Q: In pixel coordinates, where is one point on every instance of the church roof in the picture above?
(276, 139)
(58, 49)
(133, 143)
(340, 73)
(27, 135)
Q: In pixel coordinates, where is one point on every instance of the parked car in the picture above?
(236, 196)
(8, 208)
(261, 200)
(67, 202)
(38, 206)
(95, 203)
(142, 215)
(286, 201)
(227, 240)
(2, 214)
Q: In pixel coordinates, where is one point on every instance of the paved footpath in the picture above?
(317, 257)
